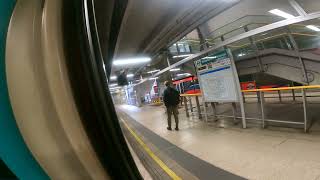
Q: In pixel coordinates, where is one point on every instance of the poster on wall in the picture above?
(216, 78)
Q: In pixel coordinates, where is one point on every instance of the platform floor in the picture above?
(253, 153)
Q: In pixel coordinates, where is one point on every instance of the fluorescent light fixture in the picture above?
(119, 62)
(112, 85)
(181, 56)
(241, 54)
(210, 57)
(150, 72)
(130, 75)
(175, 69)
(312, 27)
(281, 13)
(184, 74)
(154, 78)
(113, 77)
(114, 88)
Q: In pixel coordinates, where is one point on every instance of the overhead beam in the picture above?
(297, 7)
(242, 36)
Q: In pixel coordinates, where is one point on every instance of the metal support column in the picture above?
(293, 92)
(190, 104)
(186, 106)
(280, 98)
(203, 43)
(262, 102)
(234, 111)
(234, 69)
(258, 97)
(214, 110)
(256, 50)
(301, 62)
(168, 61)
(293, 95)
(297, 7)
(198, 107)
(205, 110)
(305, 115)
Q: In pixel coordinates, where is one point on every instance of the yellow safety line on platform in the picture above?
(172, 174)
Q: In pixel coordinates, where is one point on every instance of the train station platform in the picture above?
(222, 149)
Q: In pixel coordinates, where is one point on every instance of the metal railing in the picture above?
(261, 100)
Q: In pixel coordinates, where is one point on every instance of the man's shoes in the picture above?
(177, 129)
(169, 128)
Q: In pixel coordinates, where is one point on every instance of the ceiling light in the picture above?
(154, 78)
(150, 72)
(184, 74)
(113, 85)
(175, 69)
(281, 13)
(241, 54)
(181, 56)
(312, 27)
(130, 75)
(128, 61)
(210, 57)
(113, 77)
(114, 88)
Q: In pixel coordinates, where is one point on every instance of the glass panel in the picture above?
(188, 44)
(273, 39)
(181, 47)
(173, 49)
(307, 34)
(234, 33)
(194, 41)
(212, 42)
(241, 49)
(250, 14)
(310, 6)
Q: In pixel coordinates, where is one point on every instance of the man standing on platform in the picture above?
(171, 99)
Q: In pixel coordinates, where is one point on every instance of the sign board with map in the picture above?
(216, 78)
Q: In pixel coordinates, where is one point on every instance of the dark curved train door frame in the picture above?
(89, 83)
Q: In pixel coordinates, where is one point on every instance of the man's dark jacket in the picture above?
(171, 97)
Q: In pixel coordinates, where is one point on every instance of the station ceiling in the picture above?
(151, 25)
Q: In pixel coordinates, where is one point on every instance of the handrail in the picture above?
(271, 38)
(250, 23)
(265, 89)
(243, 17)
(186, 95)
(283, 88)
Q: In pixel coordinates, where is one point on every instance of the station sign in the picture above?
(216, 78)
